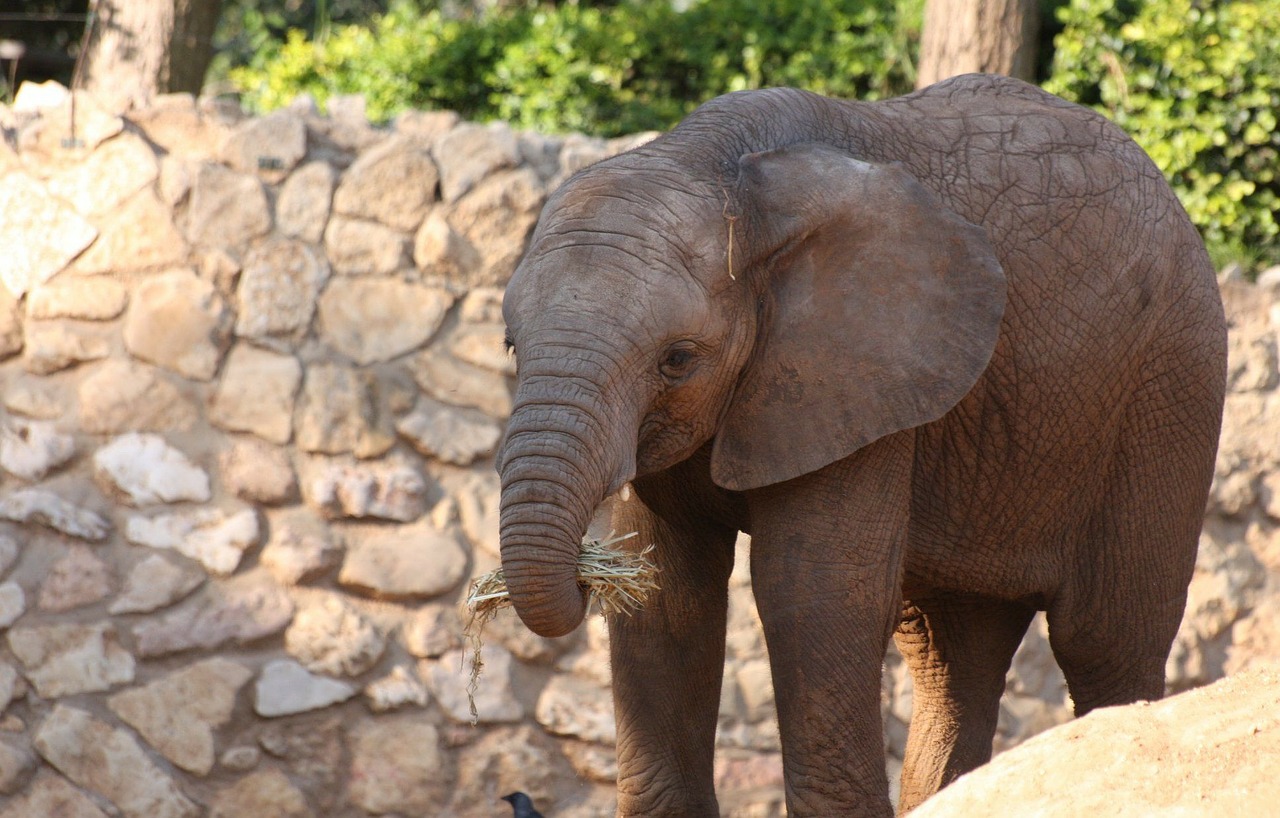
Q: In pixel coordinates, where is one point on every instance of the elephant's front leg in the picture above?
(826, 556)
(668, 659)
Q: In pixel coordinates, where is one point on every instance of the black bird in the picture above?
(521, 805)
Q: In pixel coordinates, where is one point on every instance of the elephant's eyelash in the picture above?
(508, 345)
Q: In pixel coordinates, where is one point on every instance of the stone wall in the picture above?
(251, 381)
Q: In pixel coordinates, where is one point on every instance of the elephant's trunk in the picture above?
(556, 467)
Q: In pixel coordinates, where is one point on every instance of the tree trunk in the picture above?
(141, 48)
(989, 36)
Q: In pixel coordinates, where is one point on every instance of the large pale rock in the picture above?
(258, 472)
(360, 247)
(470, 152)
(241, 610)
(286, 687)
(449, 677)
(393, 183)
(267, 793)
(184, 127)
(228, 209)
(11, 339)
(451, 381)
(35, 397)
(501, 755)
(79, 578)
(278, 289)
(340, 412)
(214, 538)
(380, 490)
(483, 345)
(442, 253)
(375, 320)
(397, 689)
(496, 218)
(41, 507)
(63, 660)
(16, 764)
(1206, 752)
(178, 321)
(9, 553)
(155, 583)
(256, 393)
(111, 174)
(330, 636)
(302, 208)
(300, 550)
(178, 713)
(403, 562)
(145, 470)
(482, 305)
(52, 346)
(449, 433)
(431, 632)
(86, 299)
(109, 761)
(570, 706)
(269, 146)
(138, 235)
(386, 779)
(124, 396)
(50, 795)
(13, 603)
(30, 449)
(40, 234)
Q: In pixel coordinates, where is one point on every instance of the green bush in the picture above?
(1197, 84)
(636, 65)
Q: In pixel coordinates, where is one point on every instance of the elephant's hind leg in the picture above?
(958, 649)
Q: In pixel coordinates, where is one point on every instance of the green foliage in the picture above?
(1197, 84)
(614, 69)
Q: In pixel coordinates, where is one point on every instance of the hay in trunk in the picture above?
(619, 581)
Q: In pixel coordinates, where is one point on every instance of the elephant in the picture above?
(949, 359)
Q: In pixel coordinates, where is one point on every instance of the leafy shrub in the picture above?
(636, 65)
(1197, 84)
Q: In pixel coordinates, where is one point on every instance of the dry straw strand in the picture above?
(619, 581)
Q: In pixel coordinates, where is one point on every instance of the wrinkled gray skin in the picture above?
(949, 359)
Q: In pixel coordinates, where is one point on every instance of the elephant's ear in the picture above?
(881, 309)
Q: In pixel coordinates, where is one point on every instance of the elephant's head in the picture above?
(788, 305)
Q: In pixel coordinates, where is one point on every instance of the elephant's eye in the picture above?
(678, 362)
(508, 344)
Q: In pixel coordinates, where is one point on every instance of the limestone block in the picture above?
(470, 152)
(302, 208)
(442, 253)
(375, 320)
(483, 345)
(496, 218)
(278, 288)
(182, 127)
(240, 610)
(385, 779)
(30, 449)
(449, 380)
(42, 507)
(10, 325)
(51, 795)
(13, 603)
(481, 305)
(40, 234)
(215, 538)
(9, 553)
(179, 322)
(403, 562)
(431, 632)
(52, 346)
(520, 754)
(449, 433)
(124, 396)
(328, 635)
(178, 713)
(593, 761)
(449, 676)
(256, 471)
(16, 764)
(63, 660)
(286, 687)
(257, 393)
(138, 235)
(118, 169)
(34, 397)
(269, 146)
(228, 209)
(300, 550)
(155, 583)
(265, 793)
(109, 761)
(86, 299)
(399, 688)
(52, 134)
(393, 183)
(340, 412)
(144, 470)
(79, 578)
(361, 247)
(571, 706)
